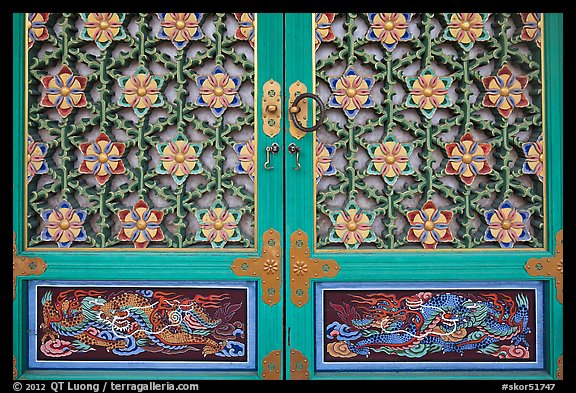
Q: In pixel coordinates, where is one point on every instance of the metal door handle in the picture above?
(293, 149)
(294, 110)
(273, 148)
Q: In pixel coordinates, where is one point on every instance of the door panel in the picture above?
(156, 163)
(410, 181)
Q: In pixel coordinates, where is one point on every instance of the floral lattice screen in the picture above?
(140, 130)
(434, 133)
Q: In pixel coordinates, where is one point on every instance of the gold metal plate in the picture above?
(560, 370)
(24, 266)
(271, 366)
(268, 267)
(297, 88)
(303, 268)
(551, 266)
(271, 108)
(298, 366)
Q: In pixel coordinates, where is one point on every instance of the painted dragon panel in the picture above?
(141, 323)
(391, 325)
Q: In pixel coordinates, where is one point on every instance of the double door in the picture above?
(287, 196)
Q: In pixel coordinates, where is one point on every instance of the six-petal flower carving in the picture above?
(532, 29)
(505, 91)
(36, 26)
(64, 91)
(246, 162)
(390, 159)
(141, 224)
(218, 225)
(323, 28)
(507, 225)
(141, 91)
(245, 30)
(534, 163)
(323, 160)
(468, 158)
(389, 29)
(102, 158)
(428, 92)
(466, 28)
(180, 27)
(36, 158)
(179, 158)
(218, 91)
(429, 225)
(103, 28)
(351, 92)
(64, 225)
(352, 226)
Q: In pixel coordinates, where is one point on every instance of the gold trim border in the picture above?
(303, 268)
(73, 249)
(466, 250)
(268, 267)
(24, 266)
(272, 365)
(552, 266)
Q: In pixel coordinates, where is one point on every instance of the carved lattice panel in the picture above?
(140, 130)
(434, 134)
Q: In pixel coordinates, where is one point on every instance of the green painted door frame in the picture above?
(286, 204)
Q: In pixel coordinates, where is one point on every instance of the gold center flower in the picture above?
(218, 91)
(465, 25)
(390, 159)
(179, 158)
(180, 24)
(506, 224)
(352, 226)
(429, 225)
(504, 91)
(351, 92)
(104, 25)
(428, 91)
(467, 158)
(141, 224)
(389, 25)
(141, 91)
(102, 158)
(64, 91)
(541, 157)
(64, 224)
(28, 158)
(218, 225)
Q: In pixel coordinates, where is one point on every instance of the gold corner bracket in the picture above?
(551, 266)
(271, 108)
(267, 267)
(560, 369)
(24, 266)
(272, 365)
(303, 268)
(298, 365)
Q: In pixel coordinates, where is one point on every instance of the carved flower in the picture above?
(534, 163)
(352, 226)
(468, 158)
(466, 28)
(64, 91)
(218, 225)
(64, 225)
(323, 160)
(351, 92)
(245, 165)
(507, 225)
(141, 91)
(429, 226)
(270, 266)
(102, 158)
(218, 91)
(245, 30)
(389, 29)
(532, 29)
(102, 28)
(36, 26)
(180, 27)
(141, 225)
(179, 158)
(300, 268)
(428, 92)
(36, 158)
(390, 159)
(323, 29)
(505, 91)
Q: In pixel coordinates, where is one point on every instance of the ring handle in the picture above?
(294, 109)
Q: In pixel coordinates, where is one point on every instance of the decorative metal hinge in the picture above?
(551, 266)
(24, 266)
(14, 369)
(272, 366)
(298, 365)
(268, 267)
(271, 108)
(303, 268)
(296, 89)
(560, 370)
